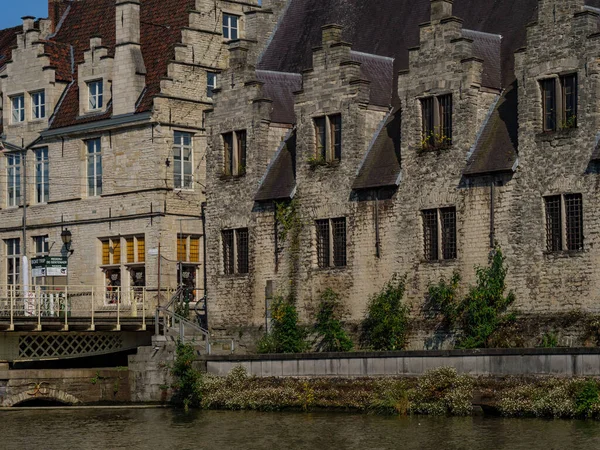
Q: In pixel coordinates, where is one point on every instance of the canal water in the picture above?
(165, 429)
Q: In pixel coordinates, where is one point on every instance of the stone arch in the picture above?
(49, 394)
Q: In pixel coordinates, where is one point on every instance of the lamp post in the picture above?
(66, 236)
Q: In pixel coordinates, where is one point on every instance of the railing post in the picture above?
(181, 331)
(93, 325)
(12, 310)
(157, 322)
(144, 309)
(119, 309)
(66, 308)
(38, 300)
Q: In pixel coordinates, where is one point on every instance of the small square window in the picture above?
(95, 95)
(230, 26)
(18, 108)
(38, 105)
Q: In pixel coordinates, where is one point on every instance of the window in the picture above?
(331, 242)
(94, 167)
(328, 130)
(40, 244)
(230, 26)
(235, 251)
(42, 185)
(436, 113)
(559, 102)
(211, 83)
(13, 172)
(564, 231)
(111, 252)
(18, 108)
(135, 247)
(235, 150)
(188, 248)
(439, 234)
(183, 156)
(38, 105)
(13, 260)
(95, 95)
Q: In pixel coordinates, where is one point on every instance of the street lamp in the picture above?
(66, 237)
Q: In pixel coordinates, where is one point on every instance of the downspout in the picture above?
(203, 211)
(377, 239)
(276, 236)
(492, 214)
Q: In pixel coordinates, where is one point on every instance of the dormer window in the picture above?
(234, 145)
(559, 102)
(328, 131)
(436, 115)
(38, 105)
(230, 26)
(95, 95)
(18, 108)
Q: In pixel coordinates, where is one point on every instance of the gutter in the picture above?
(100, 125)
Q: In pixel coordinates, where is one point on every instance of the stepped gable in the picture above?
(279, 182)
(160, 28)
(279, 87)
(488, 47)
(61, 59)
(381, 166)
(379, 70)
(8, 40)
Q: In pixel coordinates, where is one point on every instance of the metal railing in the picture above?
(65, 303)
(172, 324)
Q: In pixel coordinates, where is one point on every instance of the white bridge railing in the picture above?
(64, 303)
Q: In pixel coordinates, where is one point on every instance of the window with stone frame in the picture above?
(38, 105)
(230, 26)
(94, 167)
(559, 102)
(236, 251)
(436, 121)
(13, 261)
(95, 95)
(211, 83)
(188, 248)
(42, 181)
(439, 234)
(564, 222)
(13, 182)
(111, 251)
(183, 158)
(135, 250)
(331, 242)
(235, 153)
(328, 138)
(18, 108)
(41, 246)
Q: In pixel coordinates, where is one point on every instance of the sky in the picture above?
(11, 11)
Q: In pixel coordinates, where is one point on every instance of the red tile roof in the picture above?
(161, 25)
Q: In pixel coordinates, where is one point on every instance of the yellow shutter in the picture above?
(181, 249)
(105, 253)
(194, 249)
(141, 249)
(116, 252)
(130, 251)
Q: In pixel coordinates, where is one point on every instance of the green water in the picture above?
(167, 429)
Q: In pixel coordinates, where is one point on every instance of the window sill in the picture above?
(433, 149)
(563, 254)
(332, 269)
(41, 120)
(224, 177)
(563, 133)
(236, 276)
(315, 165)
(443, 262)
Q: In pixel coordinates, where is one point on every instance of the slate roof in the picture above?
(382, 163)
(279, 182)
(280, 87)
(379, 70)
(488, 47)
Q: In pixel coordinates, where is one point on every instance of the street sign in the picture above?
(49, 266)
(153, 252)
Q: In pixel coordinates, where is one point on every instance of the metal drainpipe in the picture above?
(492, 214)
(377, 238)
(205, 283)
(276, 236)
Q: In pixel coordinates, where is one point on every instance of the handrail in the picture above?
(180, 322)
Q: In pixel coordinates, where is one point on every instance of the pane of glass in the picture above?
(99, 174)
(177, 173)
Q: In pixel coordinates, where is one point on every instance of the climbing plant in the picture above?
(386, 324)
(286, 335)
(187, 380)
(331, 336)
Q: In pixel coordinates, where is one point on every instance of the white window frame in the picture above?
(41, 241)
(181, 180)
(13, 253)
(13, 179)
(42, 175)
(95, 95)
(17, 103)
(93, 149)
(211, 86)
(231, 26)
(38, 105)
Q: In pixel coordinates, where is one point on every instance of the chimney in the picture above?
(56, 9)
(440, 9)
(129, 74)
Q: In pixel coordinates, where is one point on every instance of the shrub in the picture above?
(331, 336)
(187, 385)
(286, 335)
(443, 296)
(586, 399)
(385, 327)
(549, 340)
(442, 391)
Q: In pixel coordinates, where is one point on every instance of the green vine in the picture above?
(331, 336)
(289, 225)
(187, 384)
(286, 335)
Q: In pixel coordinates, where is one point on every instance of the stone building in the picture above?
(102, 124)
(408, 139)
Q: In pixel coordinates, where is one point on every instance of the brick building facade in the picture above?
(409, 139)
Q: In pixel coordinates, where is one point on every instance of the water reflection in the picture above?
(138, 429)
